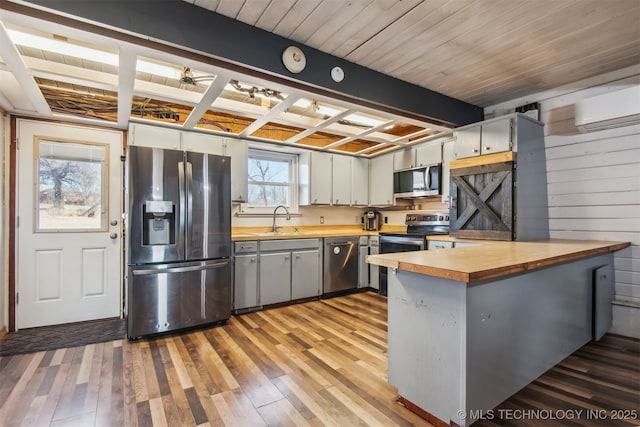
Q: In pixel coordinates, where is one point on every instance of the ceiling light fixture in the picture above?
(293, 59)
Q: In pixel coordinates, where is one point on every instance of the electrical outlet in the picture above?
(386, 219)
(321, 220)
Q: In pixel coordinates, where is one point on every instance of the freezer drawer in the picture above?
(168, 297)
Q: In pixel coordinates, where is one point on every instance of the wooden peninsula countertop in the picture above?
(493, 259)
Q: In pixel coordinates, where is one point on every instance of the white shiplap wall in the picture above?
(593, 182)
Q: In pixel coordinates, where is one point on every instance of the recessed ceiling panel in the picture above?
(223, 122)
(276, 131)
(399, 129)
(356, 146)
(319, 139)
(79, 101)
(159, 111)
(63, 50)
(357, 123)
(310, 113)
(239, 96)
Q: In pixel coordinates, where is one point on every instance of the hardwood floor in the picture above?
(318, 363)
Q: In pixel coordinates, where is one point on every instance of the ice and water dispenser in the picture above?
(158, 223)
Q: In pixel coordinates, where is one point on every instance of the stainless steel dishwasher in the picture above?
(340, 264)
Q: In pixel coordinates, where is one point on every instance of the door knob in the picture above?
(113, 236)
(114, 222)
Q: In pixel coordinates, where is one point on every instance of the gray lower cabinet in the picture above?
(289, 270)
(305, 271)
(245, 275)
(246, 282)
(275, 277)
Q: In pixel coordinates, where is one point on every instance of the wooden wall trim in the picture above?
(487, 159)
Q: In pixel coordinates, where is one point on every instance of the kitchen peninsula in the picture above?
(470, 326)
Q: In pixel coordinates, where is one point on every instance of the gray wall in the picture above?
(593, 182)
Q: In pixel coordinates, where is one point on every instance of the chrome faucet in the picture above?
(274, 228)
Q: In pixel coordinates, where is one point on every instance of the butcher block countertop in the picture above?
(493, 259)
(264, 233)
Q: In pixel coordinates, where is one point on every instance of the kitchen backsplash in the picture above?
(331, 215)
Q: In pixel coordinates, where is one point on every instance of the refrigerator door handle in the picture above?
(189, 187)
(181, 223)
(180, 269)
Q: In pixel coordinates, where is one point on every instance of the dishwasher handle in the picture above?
(341, 243)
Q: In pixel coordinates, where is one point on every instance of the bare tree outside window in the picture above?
(270, 179)
(70, 189)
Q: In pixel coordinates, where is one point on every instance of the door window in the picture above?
(72, 186)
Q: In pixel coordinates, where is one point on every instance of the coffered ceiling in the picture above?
(479, 51)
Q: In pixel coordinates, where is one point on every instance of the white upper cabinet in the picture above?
(492, 136)
(174, 139)
(381, 181)
(429, 153)
(320, 179)
(238, 150)
(425, 154)
(341, 180)
(359, 181)
(404, 159)
(154, 137)
(202, 143)
(448, 155)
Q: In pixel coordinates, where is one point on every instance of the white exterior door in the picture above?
(69, 247)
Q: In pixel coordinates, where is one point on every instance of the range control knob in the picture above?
(440, 218)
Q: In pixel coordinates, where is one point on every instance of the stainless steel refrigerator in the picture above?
(179, 240)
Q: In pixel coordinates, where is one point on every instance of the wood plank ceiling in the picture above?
(480, 51)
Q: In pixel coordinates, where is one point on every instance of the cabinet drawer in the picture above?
(246, 247)
(289, 244)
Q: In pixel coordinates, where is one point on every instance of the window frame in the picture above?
(292, 182)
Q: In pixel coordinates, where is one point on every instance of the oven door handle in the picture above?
(402, 241)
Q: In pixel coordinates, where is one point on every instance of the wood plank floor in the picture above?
(317, 363)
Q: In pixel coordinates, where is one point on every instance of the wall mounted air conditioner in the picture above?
(609, 110)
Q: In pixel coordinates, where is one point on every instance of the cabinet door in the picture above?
(404, 159)
(359, 181)
(201, 143)
(237, 149)
(429, 153)
(381, 181)
(275, 277)
(154, 137)
(245, 283)
(363, 267)
(341, 180)
(496, 136)
(467, 142)
(320, 182)
(305, 274)
(447, 156)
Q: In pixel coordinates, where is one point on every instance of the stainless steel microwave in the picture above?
(418, 182)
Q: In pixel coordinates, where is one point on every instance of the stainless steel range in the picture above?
(419, 226)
